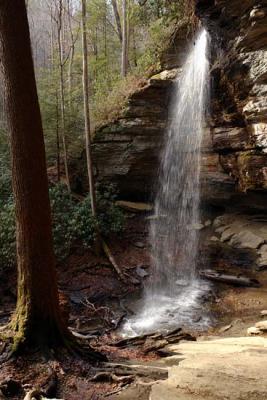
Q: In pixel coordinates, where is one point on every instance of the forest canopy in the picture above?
(125, 40)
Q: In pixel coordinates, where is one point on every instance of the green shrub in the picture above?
(72, 221)
(62, 207)
(7, 235)
(83, 223)
(110, 217)
(5, 189)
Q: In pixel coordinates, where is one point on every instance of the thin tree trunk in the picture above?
(56, 94)
(124, 58)
(117, 18)
(71, 58)
(134, 49)
(99, 240)
(62, 96)
(37, 318)
(57, 140)
(86, 113)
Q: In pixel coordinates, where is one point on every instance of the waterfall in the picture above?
(173, 292)
(173, 234)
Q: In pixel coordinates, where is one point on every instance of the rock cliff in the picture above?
(234, 151)
(238, 32)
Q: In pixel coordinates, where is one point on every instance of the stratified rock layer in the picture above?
(239, 86)
(234, 151)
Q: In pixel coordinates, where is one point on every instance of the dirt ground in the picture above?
(94, 296)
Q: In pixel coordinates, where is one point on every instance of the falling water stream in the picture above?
(172, 296)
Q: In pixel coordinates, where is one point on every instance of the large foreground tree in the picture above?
(37, 320)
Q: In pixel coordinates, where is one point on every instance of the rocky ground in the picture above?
(157, 366)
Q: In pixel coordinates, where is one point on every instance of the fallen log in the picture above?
(136, 340)
(237, 280)
(154, 341)
(111, 377)
(137, 370)
(112, 260)
(154, 345)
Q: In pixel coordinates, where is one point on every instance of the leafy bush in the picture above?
(72, 221)
(7, 235)
(5, 174)
(5, 189)
(110, 217)
(62, 206)
(107, 106)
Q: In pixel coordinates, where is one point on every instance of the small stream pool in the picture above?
(188, 308)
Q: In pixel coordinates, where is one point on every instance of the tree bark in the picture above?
(117, 18)
(62, 94)
(124, 58)
(100, 243)
(56, 95)
(71, 56)
(87, 113)
(37, 318)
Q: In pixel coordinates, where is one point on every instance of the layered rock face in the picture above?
(238, 33)
(127, 151)
(234, 152)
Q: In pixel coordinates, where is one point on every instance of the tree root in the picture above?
(82, 350)
(19, 346)
(112, 260)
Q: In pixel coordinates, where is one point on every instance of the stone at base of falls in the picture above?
(263, 313)
(134, 207)
(261, 325)
(215, 369)
(253, 331)
(198, 226)
(262, 261)
(246, 240)
(141, 272)
(140, 245)
(245, 232)
(226, 234)
(214, 239)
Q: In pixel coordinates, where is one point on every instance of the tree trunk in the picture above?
(62, 95)
(37, 319)
(124, 58)
(87, 113)
(57, 140)
(56, 95)
(71, 57)
(117, 18)
(99, 240)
